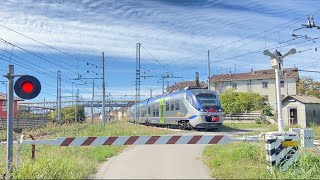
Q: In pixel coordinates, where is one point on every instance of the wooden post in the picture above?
(33, 150)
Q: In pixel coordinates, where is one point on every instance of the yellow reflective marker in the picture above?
(290, 143)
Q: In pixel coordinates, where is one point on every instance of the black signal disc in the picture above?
(33, 87)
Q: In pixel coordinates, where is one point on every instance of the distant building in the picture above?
(184, 84)
(119, 114)
(301, 110)
(3, 106)
(261, 82)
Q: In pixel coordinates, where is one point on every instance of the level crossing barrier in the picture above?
(281, 147)
(138, 140)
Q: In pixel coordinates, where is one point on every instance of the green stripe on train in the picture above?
(162, 110)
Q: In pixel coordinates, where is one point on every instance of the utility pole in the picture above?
(286, 79)
(44, 107)
(59, 97)
(76, 107)
(162, 84)
(103, 94)
(137, 81)
(277, 64)
(208, 69)
(10, 76)
(150, 93)
(92, 100)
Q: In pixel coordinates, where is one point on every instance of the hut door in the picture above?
(293, 118)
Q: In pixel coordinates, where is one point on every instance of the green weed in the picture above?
(247, 161)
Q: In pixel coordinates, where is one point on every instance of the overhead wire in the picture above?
(11, 54)
(51, 47)
(35, 54)
(277, 26)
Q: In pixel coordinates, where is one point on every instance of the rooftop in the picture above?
(260, 74)
(304, 99)
(3, 96)
(184, 84)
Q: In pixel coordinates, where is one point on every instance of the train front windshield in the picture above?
(208, 101)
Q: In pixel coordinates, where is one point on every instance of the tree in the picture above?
(308, 86)
(243, 102)
(67, 114)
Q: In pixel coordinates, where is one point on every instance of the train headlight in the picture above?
(201, 110)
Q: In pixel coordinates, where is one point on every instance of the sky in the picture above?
(42, 37)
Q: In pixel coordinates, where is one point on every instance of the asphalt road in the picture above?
(160, 161)
(156, 162)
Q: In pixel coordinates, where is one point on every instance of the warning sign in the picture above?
(290, 143)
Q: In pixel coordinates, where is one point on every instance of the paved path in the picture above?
(156, 162)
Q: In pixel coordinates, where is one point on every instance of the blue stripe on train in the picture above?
(193, 116)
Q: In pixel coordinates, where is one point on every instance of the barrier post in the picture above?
(307, 137)
(33, 151)
(282, 149)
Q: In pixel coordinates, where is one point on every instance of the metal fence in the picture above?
(252, 117)
(24, 123)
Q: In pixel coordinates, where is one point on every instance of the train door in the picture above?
(161, 111)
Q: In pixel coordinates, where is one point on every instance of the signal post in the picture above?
(26, 87)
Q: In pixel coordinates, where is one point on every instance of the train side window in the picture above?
(189, 99)
(157, 111)
(149, 110)
(167, 106)
(177, 105)
(154, 111)
(172, 106)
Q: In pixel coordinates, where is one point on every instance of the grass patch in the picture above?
(316, 129)
(53, 162)
(235, 161)
(250, 126)
(247, 161)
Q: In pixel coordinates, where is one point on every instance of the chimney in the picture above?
(252, 71)
(229, 73)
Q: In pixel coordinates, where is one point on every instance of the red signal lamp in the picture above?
(27, 87)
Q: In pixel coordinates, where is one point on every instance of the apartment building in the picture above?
(262, 82)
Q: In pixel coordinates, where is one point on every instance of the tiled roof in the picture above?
(304, 99)
(182, 85)
(3, 96)
(261, 74)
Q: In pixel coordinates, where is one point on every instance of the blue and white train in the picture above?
(191, 108)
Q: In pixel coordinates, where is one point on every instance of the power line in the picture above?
(308, 71)
(151, 55)
(35, 54)
(67, 54)
(241, 39)
(11, 54)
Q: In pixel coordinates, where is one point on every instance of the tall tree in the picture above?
(308, 86)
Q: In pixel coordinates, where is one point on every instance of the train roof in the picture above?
(194, 91)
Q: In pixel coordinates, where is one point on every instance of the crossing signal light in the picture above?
(27, 87)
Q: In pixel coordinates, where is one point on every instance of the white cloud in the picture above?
(170, 31)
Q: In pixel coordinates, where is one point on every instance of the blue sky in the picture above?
(176, 33)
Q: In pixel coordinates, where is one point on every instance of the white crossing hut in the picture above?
(301, 110)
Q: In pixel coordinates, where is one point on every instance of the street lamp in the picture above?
(276, 64)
